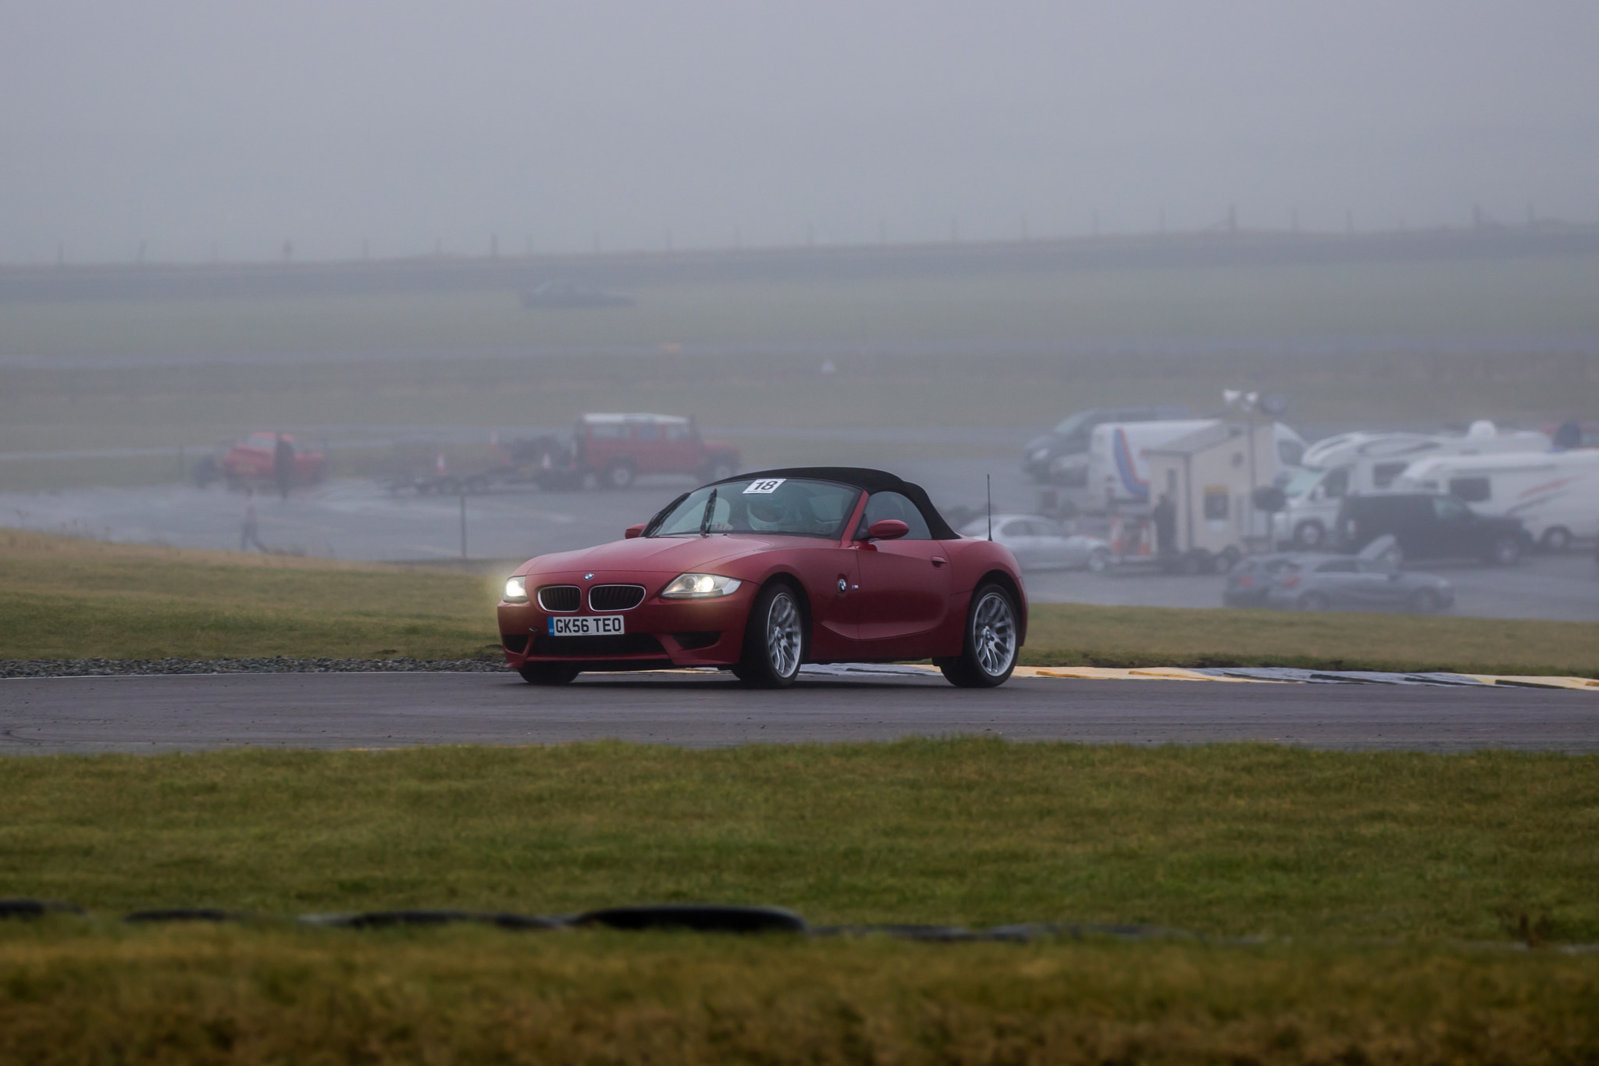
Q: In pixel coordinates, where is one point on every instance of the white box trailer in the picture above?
(1210, 476)
(1118, 456)
(1555, 494)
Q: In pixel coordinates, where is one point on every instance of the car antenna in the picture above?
(988, 489)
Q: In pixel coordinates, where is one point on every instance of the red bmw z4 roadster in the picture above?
(763, 572)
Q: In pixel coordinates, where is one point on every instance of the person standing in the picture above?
(1165, 516)
(250, 532)
(283, 464)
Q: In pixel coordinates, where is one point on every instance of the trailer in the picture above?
(1206, 482)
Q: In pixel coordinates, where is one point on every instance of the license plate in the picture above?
(602, 625)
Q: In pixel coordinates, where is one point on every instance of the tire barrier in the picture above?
(35, 908)
(187, 914)
(422, 917)
(715, 918)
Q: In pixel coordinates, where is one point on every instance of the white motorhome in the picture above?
(1118, 457)
(1555, 494)
(1369, 462)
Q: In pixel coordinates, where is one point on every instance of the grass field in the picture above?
(1366, 875)
(1350, 345)
(67, 598)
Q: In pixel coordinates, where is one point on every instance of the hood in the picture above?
(667, 555)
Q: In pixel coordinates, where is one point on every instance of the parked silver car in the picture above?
(1370, 581)
(1041, 543)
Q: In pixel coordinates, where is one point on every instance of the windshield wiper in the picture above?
(705, 519)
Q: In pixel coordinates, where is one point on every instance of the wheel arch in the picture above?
(1013, 587)
(803, 598)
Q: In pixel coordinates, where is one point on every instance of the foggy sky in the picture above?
(203, 129)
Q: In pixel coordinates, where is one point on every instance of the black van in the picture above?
(1429, 526)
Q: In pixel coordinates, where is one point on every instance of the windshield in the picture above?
(793, 506)
(1073, 424)
(1302, 481)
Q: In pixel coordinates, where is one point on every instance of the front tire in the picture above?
(774, 639)
(988, 652)
(548, 673)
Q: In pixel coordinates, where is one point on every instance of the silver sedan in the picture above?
(1041, 543)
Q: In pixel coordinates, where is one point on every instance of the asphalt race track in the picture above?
(146, 714)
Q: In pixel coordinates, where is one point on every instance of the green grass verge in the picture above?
(1223, 839)
(1327, 855)
(65, 598)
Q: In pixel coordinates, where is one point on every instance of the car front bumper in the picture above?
(657, 633)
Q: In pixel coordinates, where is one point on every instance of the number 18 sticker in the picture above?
(764, 485)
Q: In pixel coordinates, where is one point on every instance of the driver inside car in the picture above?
(782, 512)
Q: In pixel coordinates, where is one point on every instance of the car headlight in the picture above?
(516, 589)
(700, 587)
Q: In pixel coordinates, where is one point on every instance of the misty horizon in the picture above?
(181, 131)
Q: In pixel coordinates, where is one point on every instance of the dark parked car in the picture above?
(1070, 437)
(1429, 526)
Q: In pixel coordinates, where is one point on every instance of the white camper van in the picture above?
(1370, 462)
(1555, 494)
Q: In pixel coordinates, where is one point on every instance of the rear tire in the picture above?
(619, 476)
(548, 673)
(1556, 539)
(1506, 551)
(1098, 562)
(988, 652)
(774, 639)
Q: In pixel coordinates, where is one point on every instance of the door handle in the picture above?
(939, 560)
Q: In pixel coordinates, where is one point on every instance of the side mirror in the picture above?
(887, 529)
(633, 532)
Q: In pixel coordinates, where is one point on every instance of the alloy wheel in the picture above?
(994, 634)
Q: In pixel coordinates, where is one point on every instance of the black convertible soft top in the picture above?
(870, 480)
